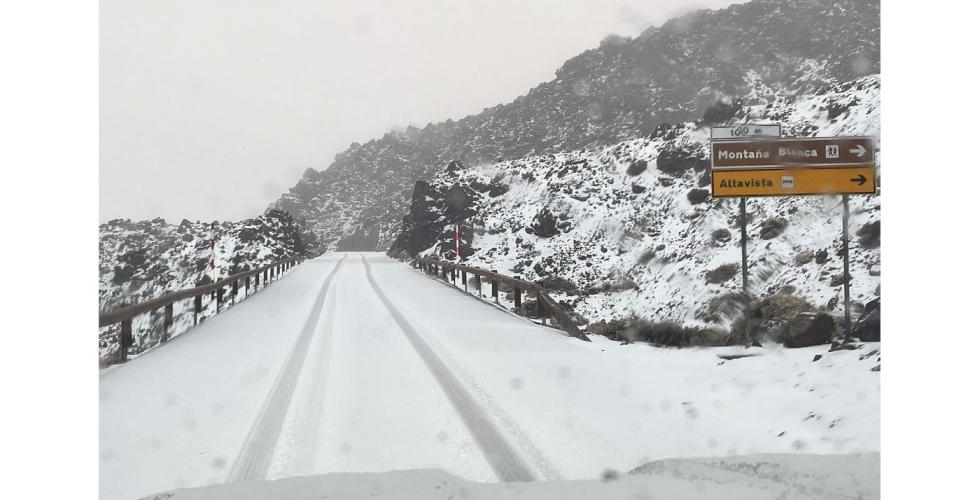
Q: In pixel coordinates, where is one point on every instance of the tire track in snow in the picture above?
(503, 459)
(256, 454)
(312, 403)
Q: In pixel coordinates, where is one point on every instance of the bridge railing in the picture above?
(242, 281)
(547, 306)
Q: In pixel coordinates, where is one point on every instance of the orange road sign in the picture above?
(790, 181)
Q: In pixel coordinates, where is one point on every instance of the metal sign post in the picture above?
(847, 272)
(744, 167)
(743, 220)
(733, 133)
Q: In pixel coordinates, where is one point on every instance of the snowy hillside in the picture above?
(146, 259)
(622, 89)
(630, 230)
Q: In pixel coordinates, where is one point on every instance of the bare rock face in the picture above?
(434, 213)
(808, 329)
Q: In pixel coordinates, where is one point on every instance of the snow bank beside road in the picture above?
(588, 406)
(752, 477)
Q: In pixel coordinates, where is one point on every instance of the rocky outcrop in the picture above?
(433, 216)
(808, 329)
(868, 326)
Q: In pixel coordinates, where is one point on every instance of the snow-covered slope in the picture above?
(146, 259)
(622, 89)
(631, 230)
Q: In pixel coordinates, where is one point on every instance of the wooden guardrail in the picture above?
(125, 314)
(547, 306)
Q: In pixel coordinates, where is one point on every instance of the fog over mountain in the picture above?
(210, 110)
(622, 89)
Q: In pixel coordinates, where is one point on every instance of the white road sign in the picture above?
(745, 130)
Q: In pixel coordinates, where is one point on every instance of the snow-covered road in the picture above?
(357, 363)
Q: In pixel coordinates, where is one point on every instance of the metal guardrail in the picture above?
(125, 314)
(547, 306)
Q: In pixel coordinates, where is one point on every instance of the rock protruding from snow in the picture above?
(808, 329)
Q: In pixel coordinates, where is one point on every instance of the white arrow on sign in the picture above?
(858, 150)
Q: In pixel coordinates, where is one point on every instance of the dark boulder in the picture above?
(677, 161)
(772, 228)
(721, 273)
(636, 168)
(697, 196)
(821, 257)
(803, 258)
(721, 235)
(868, 326)
(808, 329)
(869, 235)
(545, 225)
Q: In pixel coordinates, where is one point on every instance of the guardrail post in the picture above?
(125, 339)
(452, 272)
(234, 290)
(517, 300)
(168, 320)
(265, 277)
(197, 307)
(217, 306)
(248, 280)
(494, 289)
(466, 284)
(479, 285)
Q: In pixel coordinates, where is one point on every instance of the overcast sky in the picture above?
(212, 108)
